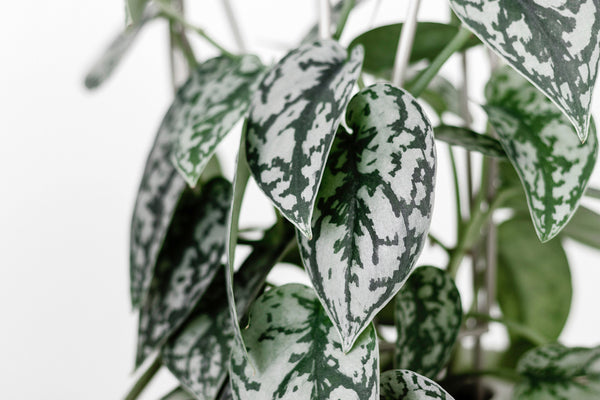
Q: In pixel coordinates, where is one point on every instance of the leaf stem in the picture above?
(324, 19)
(346, 9)
(141, 383)
(593, 192)
(516, 327)
(422, 81)
(235, 26)
(459, 217)
(407, 37)
(173, 15)
(437, 241)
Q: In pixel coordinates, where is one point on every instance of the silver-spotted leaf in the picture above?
(554, 44)
(554, 167)
(224, 88)
(112, 56)
(428, 318)
(189, 259)
(408, 385)
(296, 353)
(198, 356)
(374, 208)
(470, 140)
(534, 279)
(292, 122)
(559, 373)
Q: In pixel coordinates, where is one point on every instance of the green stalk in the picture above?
(422, 81)
(142, 382)
(513, 326)
(346, 9)
(459, 216)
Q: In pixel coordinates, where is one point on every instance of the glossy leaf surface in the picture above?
(374, 208)
(224, 87)
(428, 318)
(534, 280)
(553, 165)
(470, 140)
(408, 385)
(187, 264)
(296, 353)
(381, 45)
(559, 373)
(292, 123)
(554, 44)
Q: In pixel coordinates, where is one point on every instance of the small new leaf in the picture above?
(374, 208)
(554, 167)
(553, 44)
(428, 318)
(296, 353)
(559, 373)
(292, 123)
(408, 385)
(223, 88)
(190, 257)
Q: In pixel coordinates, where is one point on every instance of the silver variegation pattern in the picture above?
(408, 385)
(559, 373)
(554, 167)
(296, 353)
(554, 44)
(292, 122)
(373, 209)
(190, 257)
(428, 318)
(224, 88)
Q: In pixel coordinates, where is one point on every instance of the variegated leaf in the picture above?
(559, 373)
(224, 88)
(374, 208)
(226, 394)
(554, 44)
(408, 385)
(292, 123)
(428, 318)
(470, 140)
(297, 354)
(553, 165)
(111, 57)
(199, 355)
(191, 255)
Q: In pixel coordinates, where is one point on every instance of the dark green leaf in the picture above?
(381, 45)
(559, 373)
(428, 318)
(292, 123)
(553, 165)
(296, 353)
(553, 44)
(224, 87)
(534, 280)
(470, 140)
(584, 227)
(408, 385)
(374, 208)
(440, 94)
(189, 259)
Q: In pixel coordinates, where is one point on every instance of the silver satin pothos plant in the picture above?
(340, 139)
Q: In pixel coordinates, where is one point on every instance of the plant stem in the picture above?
(324, 19)
(593, 192)
(346, 9)
(513, 326)
(139, 385)
(235, 27)
(407, 37)
(437, 241)
(422, 81)
(173, 15)
(459, 217)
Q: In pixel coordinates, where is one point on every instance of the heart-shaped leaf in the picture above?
(381, 45)
(296, 353)
(553, 44)
(224, 87)
(428, 318)
(408, 385)
(553, 165)
(374, 208)
(470, 140)
(558, 372)
(584, 227)
(199, 355)
(190, 257)
(292, 123)
(534, 280)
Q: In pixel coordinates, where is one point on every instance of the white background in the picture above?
(70, 163)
